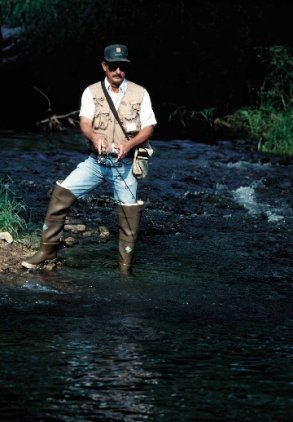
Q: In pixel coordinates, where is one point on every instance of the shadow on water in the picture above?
(199, 331)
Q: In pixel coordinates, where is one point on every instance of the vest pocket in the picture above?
(131, 120)
(102, 120)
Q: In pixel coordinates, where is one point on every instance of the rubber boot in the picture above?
(128, 221)
(59, 205)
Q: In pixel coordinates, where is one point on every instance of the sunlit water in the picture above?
(201, 330)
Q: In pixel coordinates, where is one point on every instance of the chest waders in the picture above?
(128, 221)
(58, 208)
(61, 200)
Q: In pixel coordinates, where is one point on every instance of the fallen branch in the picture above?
(222, 122)
(54, 122)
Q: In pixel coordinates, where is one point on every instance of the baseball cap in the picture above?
(116, 53)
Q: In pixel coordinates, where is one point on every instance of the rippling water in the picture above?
(201, 330)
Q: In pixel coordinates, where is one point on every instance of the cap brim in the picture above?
(116, 60)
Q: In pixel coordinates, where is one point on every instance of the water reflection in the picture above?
(122, 363)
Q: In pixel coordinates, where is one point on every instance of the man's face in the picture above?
(115, 71)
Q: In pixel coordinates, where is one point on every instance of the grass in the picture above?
(12, 213)
(279, 138)
(273, 129)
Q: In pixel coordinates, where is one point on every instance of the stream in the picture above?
(200, 331)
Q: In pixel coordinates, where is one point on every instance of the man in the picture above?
(110, 158)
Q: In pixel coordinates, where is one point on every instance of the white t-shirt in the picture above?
(147, 115)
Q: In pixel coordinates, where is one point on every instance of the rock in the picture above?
(104, 231)
(75, 228)
(69, 241)
(6, 236)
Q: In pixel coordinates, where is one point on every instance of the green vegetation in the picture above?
(12, 213)
(185, 115)
(270, 121)
(272, 129)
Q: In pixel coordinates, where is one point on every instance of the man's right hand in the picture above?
(98, 143)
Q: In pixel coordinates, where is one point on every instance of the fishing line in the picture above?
(110, 159)
(116, 167)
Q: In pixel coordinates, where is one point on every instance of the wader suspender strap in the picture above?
(113, 109)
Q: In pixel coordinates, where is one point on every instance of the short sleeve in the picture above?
(87, 108)
(147, 115)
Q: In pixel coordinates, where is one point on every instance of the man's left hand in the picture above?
(122, 152)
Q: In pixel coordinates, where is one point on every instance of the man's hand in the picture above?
(122, 151)
(99, 144)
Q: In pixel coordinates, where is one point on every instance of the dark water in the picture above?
(201, 330)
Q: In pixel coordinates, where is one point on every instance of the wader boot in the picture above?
(128, 221)
(59, 205)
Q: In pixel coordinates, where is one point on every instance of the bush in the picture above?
(271, 121)
(277, 87)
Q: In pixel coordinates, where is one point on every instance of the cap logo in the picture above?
(118, 50)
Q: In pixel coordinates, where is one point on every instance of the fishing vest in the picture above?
(104, 122)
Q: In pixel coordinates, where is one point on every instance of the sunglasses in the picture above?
(114, 65)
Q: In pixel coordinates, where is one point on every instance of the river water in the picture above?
(201, 330)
